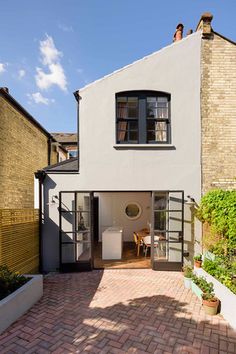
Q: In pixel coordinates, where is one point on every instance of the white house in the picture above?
(140, 157)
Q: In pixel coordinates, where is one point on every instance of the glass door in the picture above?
(167, 228)
(75, 230)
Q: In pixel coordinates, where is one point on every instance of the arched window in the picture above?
(143, 117)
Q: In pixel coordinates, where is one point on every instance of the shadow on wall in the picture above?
(76, 319)
(50, 230)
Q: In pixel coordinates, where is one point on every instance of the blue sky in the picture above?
(49, 49)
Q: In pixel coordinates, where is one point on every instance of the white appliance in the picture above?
(112, 243)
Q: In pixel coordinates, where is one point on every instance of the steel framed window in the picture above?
(143, 117)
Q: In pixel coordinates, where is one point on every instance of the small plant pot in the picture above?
(187, 283)
(198, 264)
(210, 307)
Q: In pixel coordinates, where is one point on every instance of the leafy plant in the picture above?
(218, 209)
(223, 270)
(209, 297)
(203, 284)
(10, 281)
(188, 271)
(198, 257)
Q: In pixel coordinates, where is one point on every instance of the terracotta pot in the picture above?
(210, 307)
(198, 264)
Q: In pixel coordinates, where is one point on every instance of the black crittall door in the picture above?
(167, 230)
(75, 231)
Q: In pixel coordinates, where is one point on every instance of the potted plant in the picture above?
(210, 303)
(198, 261)
(188, 273)
(196, 283)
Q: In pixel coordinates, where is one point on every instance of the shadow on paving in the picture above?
(66, 321)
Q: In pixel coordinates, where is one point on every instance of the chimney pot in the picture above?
(178, 33)
(5, 89)
(205, 24)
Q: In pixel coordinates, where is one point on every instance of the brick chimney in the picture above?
(5, 89)
(178, 33)
(205, 24)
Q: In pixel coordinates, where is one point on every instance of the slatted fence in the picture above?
(19, 239)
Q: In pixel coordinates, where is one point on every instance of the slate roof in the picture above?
(70, 165)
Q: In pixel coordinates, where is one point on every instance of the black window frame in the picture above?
(142, 116)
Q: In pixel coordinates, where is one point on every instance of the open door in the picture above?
(75, 231)
(167, 230)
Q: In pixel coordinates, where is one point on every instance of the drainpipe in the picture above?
(78, 98)
(40, 175)
(49, 150)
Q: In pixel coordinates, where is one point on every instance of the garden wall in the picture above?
(227, 298)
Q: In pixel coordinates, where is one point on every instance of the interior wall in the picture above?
(112, 212)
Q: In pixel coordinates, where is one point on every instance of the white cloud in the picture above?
(2, 67)
(21, 73)
(65, 28)
(50, 56)
(37, 97)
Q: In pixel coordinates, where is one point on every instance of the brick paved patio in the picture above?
(118, 311)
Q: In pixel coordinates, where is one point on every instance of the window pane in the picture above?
(152, 112)
(162, 113)
(161, 126)
(151, 135)
(133, 136)
(151, 99)
(162, 100)
(122, 131)
(121, 99)
(122, 135)
(151, 124)
(132, 107)
(160, 201)
(161, 136)
(122, 110)
(133, 125)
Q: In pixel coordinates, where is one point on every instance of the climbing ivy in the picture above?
(218, 209)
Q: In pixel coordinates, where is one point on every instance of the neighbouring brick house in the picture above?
(69, 142)
(218, 108)
(164, 134)
(25, 146)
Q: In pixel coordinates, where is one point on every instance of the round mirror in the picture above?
(133, 210)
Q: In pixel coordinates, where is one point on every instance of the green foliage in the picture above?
(10, 281)
(188, 271)
(209, 297)
(218, 209)
(222, 269)
(203, 284)
(198, 257)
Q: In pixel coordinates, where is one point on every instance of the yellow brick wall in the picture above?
(23, 150)
(218, 111)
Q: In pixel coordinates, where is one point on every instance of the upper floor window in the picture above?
(142, 117)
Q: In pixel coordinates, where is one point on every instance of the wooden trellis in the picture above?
(19, 239)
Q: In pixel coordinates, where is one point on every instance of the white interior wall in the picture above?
(112, 212)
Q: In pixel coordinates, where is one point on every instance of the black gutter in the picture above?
(40, 175)
(78, 98)
(49, 150)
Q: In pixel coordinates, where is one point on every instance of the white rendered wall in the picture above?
(174, 69)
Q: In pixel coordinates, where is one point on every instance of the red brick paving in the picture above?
(118, 311)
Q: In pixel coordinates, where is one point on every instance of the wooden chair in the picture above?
(138, 242)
